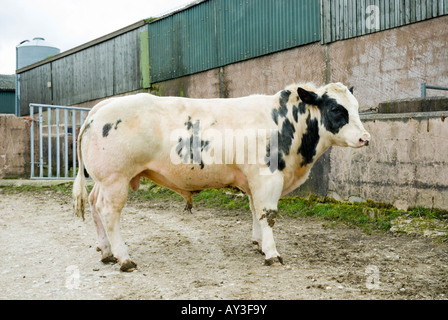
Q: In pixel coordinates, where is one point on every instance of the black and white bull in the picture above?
(263, 145)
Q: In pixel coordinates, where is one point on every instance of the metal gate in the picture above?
(53, 140)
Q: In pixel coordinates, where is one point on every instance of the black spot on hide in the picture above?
(296, 110)
(192, 146)
(274, 115)
(286, 136)
(284, 98)
(294, 113)
(108, 126)
(106, 129)
(302, 108)
(189, 124)
(310, 139)
(282, 110)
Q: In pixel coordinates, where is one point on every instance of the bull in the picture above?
(188, 145)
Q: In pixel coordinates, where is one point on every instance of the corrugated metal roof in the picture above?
(7, 82)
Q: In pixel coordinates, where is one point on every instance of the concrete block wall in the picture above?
(15, 150)
(406, 163)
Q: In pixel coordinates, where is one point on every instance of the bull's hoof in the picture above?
(188, 208)
(258, 248)
(274, 261)
(109, 260)
(128, 266)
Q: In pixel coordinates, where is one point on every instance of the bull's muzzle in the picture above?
(364, 140)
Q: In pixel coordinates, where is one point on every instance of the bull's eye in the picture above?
(334, 115)
(337, 110)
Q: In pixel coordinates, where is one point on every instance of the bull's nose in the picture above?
(364, 140)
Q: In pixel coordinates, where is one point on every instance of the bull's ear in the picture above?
(351, 89)
(308, 97)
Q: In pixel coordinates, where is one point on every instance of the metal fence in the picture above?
(53, 140)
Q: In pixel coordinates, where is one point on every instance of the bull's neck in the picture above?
(300, 140)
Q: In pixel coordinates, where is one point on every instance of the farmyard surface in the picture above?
(47, 253)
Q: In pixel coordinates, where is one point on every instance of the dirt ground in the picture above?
(47, 253)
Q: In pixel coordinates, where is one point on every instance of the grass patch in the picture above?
(369, 216)
(223, 199)
(154, 192)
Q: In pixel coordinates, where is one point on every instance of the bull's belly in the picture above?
(191, 177)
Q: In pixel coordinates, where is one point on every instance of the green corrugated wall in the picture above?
(215, 33)
(7, 102)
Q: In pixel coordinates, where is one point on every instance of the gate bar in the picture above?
(58, 151)
(41, 151)
(49, 174)
(32, 140)
(74, 124)
(425, 86)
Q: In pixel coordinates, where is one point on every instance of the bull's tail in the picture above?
(79, 189)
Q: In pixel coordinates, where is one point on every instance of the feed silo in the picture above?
(29, 52)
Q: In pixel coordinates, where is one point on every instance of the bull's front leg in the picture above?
(264, 199)
(256, 228)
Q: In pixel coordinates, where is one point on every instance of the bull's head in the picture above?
(338, 113)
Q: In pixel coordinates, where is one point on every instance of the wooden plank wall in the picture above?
(34, 87)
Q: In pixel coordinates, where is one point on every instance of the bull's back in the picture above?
(135, 133)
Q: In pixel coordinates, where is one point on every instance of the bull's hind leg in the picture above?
(103, 241)
(111, 200)
(188, 199)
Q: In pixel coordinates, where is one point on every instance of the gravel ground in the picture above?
(50, 254)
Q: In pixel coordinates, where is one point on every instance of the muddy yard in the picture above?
(47, 253)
